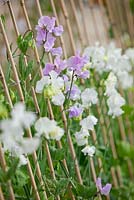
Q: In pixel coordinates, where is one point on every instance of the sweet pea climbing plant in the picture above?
(61, 132)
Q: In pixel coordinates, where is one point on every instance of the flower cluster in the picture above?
(12, 136)
(46, 34)
(111, 59)
(115, 101)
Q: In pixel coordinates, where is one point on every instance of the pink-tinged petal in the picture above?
(106, 189)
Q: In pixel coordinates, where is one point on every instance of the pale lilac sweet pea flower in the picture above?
(74, 93)
(58, 66)
(103, 190)
(47, 22)
(58, 30)
(48, 68)
(49, 42)
(56, 51)
(75, 111)
(41, 35)
(65, 78)
(46, 32)
(76, 64)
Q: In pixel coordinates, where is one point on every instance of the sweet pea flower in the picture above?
(75, 111)
(74, 92)
(89, 96)
(48, 128)
(58, 30)
(103, 190)
(49, 43)
(56, 51)
(46, 34)
(52, 87)
(12, 133)
(89, 122)
(58, 66)
(89, 150)
(76, 63)
(115, 102)
(82, 137)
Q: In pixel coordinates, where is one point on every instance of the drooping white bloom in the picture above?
(110, 84)
(48, 128)
(89, 122)
(21, 117)
(43, 82)
(13, 132)
(56, 133)
(58, 99)
(115, 102)
(56, 81)
(126, 80)
(23, 160)
(82, 137)
(89, 150)
(89, 96)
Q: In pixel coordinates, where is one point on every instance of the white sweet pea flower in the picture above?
(89, 122)
(56, 133)
(12, 131)
(96, 55)
(44, 81)
(48, 128)
(89, 96)
(126, 80)
(52, 87)
(82, 137)
(115, 102)
(29, 145)
(23, 160)
(21, 117)
(110, 84)
(89, 150)
(44, 125)
(58, 99)
(56, 81)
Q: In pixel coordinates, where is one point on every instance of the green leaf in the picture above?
(29, 68)
(25, 41)
(22, 178)
(61, 186)
(85, 191)
(128, 109)
(12, 169)
(57, 154)
(3, 19)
